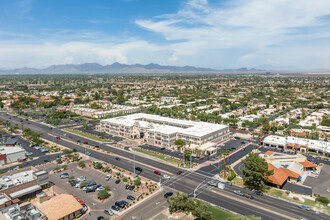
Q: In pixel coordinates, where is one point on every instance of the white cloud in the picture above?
(220, 34)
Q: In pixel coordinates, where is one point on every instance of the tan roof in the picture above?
(59, 206)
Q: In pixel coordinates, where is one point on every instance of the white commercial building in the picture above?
(11, 154)
(163, 131)
(297, 143)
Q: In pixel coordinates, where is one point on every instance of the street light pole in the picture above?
(197, 188)
(53, 133)
(134, 164)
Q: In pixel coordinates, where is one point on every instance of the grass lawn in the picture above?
(90, 136)
(275, 192)
(219, 214)
(238, 181)
(312, 203)
(162, 157)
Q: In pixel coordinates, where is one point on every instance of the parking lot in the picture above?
(117, 191)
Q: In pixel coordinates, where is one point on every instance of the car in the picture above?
(73, 182)
(46, 161)
(108, 212)
(130, 197)
(100, 188)
(132, 187)
(239, 192)
(222, 145)
(88, 153)
(100, 218)
(117, 181)
(247, 195)
(227, 183)
(58, 138)
(117, 158)
(29, 153)
(127, 186)
(237, 138)
(120, 204)
(97, 146)
(78, 141)
(211, 183)
(168, 194)
(166, 176)
(242, 142)
(107, 178)
(85, 188)
(259, 193)
(115, 207)
(138, 169)
(77, 185)
(85, 142)
(91, 183)
(157, 172)
(64, 175)
(81, 178)
(304, 207)
(179, 172)
(163, 148)
(124, 203)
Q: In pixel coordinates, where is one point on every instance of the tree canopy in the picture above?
(255, 173)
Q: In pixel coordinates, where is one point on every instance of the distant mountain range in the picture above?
(119, 68)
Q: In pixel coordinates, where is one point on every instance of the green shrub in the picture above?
(125, 179)
(231, 176)
(102, 194)
(81, 164)
(323, 200)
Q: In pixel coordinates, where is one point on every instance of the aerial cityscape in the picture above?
(152, 109)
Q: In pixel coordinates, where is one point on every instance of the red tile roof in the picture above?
(306, 163)
(280, 175)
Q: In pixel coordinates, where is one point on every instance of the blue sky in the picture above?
(281, 34)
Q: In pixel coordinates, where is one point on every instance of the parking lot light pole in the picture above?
(53, 133)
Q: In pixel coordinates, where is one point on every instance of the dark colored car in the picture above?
(115, 207)
(91, 183)
(168, 194)
(228, 183)
(120, 204)
(73, 182)
(179, 172)
(132, 187)
(124, 203)
(117, 158)
(97, 146)
(127, 186)
(130, 197)
(100, 218)
(259, 193)
(247, 195)
(138, 169)
(163, 148)
(117, 181)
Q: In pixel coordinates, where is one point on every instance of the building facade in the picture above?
(163, 131)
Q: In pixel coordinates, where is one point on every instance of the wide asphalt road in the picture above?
(265, 207)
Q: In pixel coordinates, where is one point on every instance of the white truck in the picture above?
(221, 186)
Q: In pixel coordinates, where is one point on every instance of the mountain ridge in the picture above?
(118, 68)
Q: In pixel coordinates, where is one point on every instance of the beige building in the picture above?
(163, 131)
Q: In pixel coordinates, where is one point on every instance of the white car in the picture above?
(166, 176)
(81, 179)
(29, 153)
(108, 177)
(100, 188)
(77, 185)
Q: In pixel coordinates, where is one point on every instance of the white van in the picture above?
(221, 186)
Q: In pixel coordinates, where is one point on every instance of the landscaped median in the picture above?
(87, 135)
(166, 158)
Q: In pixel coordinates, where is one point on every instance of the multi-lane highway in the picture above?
(265, 207)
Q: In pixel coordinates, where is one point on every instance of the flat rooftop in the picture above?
(166, 125)
(10, 150)
(15, 179)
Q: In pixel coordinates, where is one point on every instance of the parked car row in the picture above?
(129, 187)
